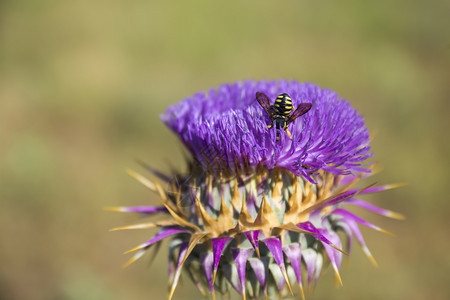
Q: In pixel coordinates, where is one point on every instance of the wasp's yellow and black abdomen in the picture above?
(283, 105)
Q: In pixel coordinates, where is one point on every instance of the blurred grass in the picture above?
(82, 85)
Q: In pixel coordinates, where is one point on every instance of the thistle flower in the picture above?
(254, 214)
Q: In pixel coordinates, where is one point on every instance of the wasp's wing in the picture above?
(302, 109)
(264, 101)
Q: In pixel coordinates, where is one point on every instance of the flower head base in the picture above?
(252, 211)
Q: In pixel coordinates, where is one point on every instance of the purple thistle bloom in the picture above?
(251, 209)
(226, 129)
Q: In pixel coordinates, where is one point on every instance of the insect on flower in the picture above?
(280, 111)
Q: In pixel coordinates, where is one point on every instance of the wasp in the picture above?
(280, 112)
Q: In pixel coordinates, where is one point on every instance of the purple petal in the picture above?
(317, 234)
(252, 237)
(207, 260)
(348, 233)
(174, 245)
(218, 244)
(310, 257)
(274, 245)
(354, 227)
(379, 188)
(373, 208)
(240, 256)
(294, 254)
(346, 214)
(162, 234)
(181, 255)
(260, 269)
(318, 267)
(145, 209)
(334, 255)
(336, 241)
(335, 200)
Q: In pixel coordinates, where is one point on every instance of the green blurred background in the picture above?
(82, 85)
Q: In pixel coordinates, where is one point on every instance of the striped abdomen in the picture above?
(283, 105)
